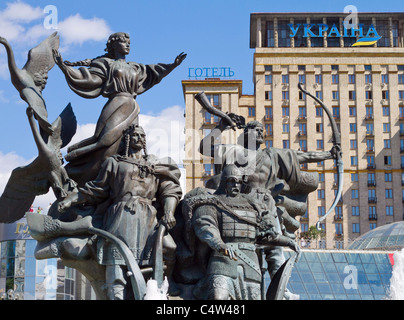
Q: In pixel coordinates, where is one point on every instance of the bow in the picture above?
(336, 141)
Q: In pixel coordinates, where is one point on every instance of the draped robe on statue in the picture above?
(121, 82)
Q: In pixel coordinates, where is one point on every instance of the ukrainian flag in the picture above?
(366, 42)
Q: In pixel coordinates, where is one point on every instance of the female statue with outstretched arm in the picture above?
(118, 80)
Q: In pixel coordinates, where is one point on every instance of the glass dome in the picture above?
(387, 237)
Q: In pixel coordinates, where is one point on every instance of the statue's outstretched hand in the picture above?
(58, 59)
(181, 57)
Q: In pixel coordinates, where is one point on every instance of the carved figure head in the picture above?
(253, 134)
(118, 42)
(230, 181)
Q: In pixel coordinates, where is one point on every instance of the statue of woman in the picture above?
(118, 80)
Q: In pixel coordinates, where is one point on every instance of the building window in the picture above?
(285, 111)
(302, 78)
(334, 79)
(268, 95)
(372, 226)
(207, 168)
(268, 129)
(387, 143)
(338, 212)
(268, 113)
(285, 127)
(401, 78)
(355, 228)
(352, 111)
(303, 145)
(338, 228)
(370, 161)
(352, 95)
(386, 127)
(334, 67)
(370, 143)
(320, 144)
(354, 177)
(386, 111)
(321, 211)
(319, 127)
(389, 193)
(355, 211)
(352, 127)
(385, 78)
(372, 213)
(285, 78)
(372, 195)
(302, 112)
(270, 38)
(351, 78)
(319, 111)
(268, 78)
(285, 95)
(285, 144)
(283, 32)
(302, 129)
(368, 95)
(368, 67)
(353, 144)
(319, 95)
(251, 111)
(355, 194)
(389, 211)
(369, 128)
(385, 94)
(268, 67)
(320, 194)
(268, 144)
(368, 78)
(388, 176)
(321, 177)
(335, 95)
(401, 94)
(319, 78)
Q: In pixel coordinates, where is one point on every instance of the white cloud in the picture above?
(83, 131)
(21, 12)
(17, 18)
(77, 30)
(13, 18)
(3, 97)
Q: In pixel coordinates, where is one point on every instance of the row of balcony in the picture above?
(340, 217)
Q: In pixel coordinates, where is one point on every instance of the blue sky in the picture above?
(212, 33)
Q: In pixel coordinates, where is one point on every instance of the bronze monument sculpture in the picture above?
(120, 216)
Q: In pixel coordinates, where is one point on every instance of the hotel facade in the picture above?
(358, 72)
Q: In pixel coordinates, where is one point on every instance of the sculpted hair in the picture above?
(109, 49)
(125, 143)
